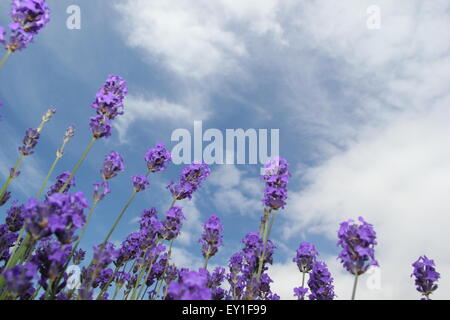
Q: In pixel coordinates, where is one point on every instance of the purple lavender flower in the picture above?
(150, 228)
(157, 158)
(306, 256)
(19, 281)
(140, 183)
(29, 17)
(190, 180)
(51, 257)
(172, 223)
(112, 165)
(7, 240)
(109, 99)
(300, 293)
(100, 127)
(426, 276)
(60, 214)
(320, 282)
(69, 133)
(14, 219)
(29, 142)
(191, 285)
(276, 175)
(357, 242)
(60, 181)
(130, 248)
(78, 256)
(4, 198)
(211, 238)
(101, 189)
(104, 255)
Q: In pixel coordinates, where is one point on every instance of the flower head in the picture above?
(101, 189)
(172, 223)
(276, 175)
(78, 256)
(357, 242)
(19, 280)
(190, 180)
(109, 99)
(306, 256)
(7, 240)
(29, 142)
(320, 282)
(191, 285)
(211, 238)
(4, 198)
(300, 293)
(60, 182)
(51, 257)
(426, 276)
(112, 165)
(100, 127)
(157, 158)
(140, 183)
(14, 218)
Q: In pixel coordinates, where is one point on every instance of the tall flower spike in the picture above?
(109, 99)
(190, 181)
(140, 183)
(60, 181)
(321, 283)
(100, 127)
(173, 223)
(157, 158)
(426, 276)
(357, 242)
(276, 175)
(191, 285)
(101, 189)
(29, 142)
(211, 238)
(46, 118)
(112, 165)
(305, 257)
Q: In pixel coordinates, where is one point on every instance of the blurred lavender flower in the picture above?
(14, 219)
(51, 257)
(19, 281)
(4, 198)
(157, 158)
(7, 240)
(172, 223)
(60, 214)
(78, 256)
(320, 282)
(2, 39)
(60, 181)
(101, 189)
(104, 255)
(140, 183)
(426, 276)
(306, 256)
(100, 127)
(69, 133)
(29, 142)
(276, 175)
(190, 180)
(211, 238)
(109, 99)
(112, 165)
(191, 285)
(300, 293)
(357, 242)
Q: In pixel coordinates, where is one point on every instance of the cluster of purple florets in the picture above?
(28, 18)
(276, 176)
(190, 180)
(426, 276)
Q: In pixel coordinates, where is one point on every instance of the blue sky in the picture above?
(363, 118)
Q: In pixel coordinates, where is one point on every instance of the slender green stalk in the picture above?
(205, 264)
(147, 274)
(355, 284)
(119, 217)
(49, 173)
(77, 165)
(265, 233)
(5, 57)
(11, 177)
(303, 279)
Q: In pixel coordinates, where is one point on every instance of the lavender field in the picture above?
(335, 188)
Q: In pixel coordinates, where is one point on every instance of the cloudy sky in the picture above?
(363, 115)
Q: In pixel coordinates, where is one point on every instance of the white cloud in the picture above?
(196, 38)
(235, 193)
(156, 110)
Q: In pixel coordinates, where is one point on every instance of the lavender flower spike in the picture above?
(109, 99)
(112, 166)
(276, 175)
(426, 276)
(140, 183)
(157, 158)
(321, 282)
(306, 256)
(190, 180)
(29, 142)
(211, 238)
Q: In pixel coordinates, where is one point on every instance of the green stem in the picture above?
(120, 217)
(355, 283)
(47, 177)
(5, 57)
(266, 232)
(303, 279)
(10, 178)
(77, 165)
